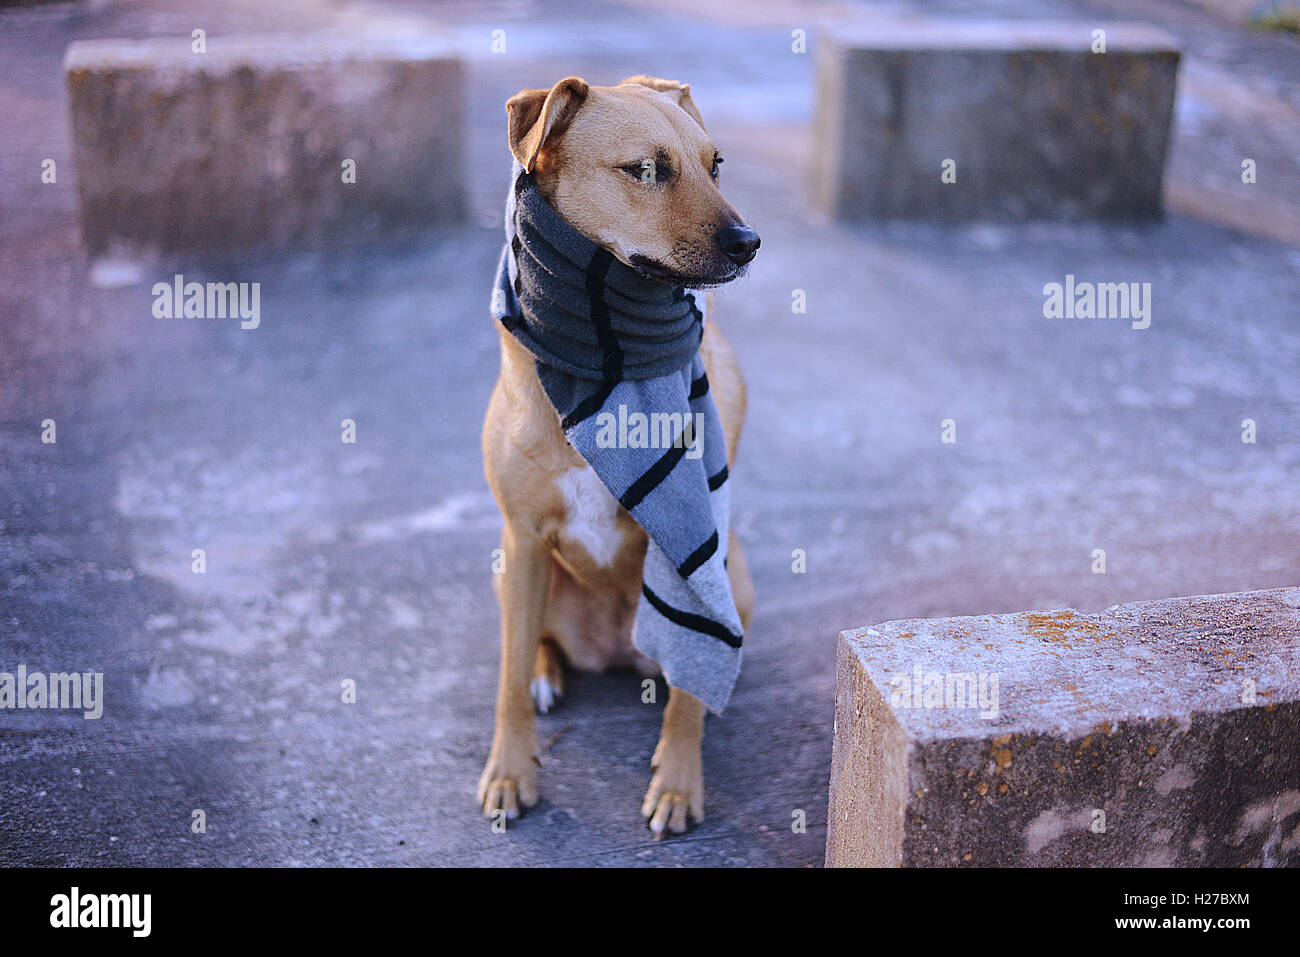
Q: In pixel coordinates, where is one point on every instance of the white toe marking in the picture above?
(544, 694)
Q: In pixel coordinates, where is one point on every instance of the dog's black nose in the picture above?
(739, 243)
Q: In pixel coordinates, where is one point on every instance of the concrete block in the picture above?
(245, 144)
(1161, 733)
(1037, 125)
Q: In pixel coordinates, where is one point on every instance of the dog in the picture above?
(631, 168)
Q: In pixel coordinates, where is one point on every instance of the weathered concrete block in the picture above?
(1035, 123)
(246, 144)
(1159, 733)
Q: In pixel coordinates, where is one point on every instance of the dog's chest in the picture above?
(591, 515)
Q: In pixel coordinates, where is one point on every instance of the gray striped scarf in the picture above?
(618, 356)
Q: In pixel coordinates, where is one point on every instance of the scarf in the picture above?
(618, 357)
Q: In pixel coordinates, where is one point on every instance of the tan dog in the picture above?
(630, 167)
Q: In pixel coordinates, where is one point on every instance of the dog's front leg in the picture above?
(509, 780)
(677, 788)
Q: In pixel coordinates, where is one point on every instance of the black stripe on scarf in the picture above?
(588, 406)
(705, 626)
(655, 474)
(700, 386)
(597, 272)
(699, 556)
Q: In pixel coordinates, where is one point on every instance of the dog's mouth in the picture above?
(653, 269)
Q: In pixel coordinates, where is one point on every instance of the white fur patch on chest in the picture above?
(591, 514)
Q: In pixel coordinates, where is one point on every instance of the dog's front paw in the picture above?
(676, 790)
(509, 780)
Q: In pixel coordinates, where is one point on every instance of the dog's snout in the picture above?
(739, 243)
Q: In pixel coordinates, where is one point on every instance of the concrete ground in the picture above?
(370, 562)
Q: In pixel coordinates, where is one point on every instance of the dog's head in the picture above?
(631, 168)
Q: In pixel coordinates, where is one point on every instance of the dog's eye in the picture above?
(717, 161)
(648, 172)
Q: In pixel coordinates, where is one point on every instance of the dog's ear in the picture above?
(538, 115)
(681, 92)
